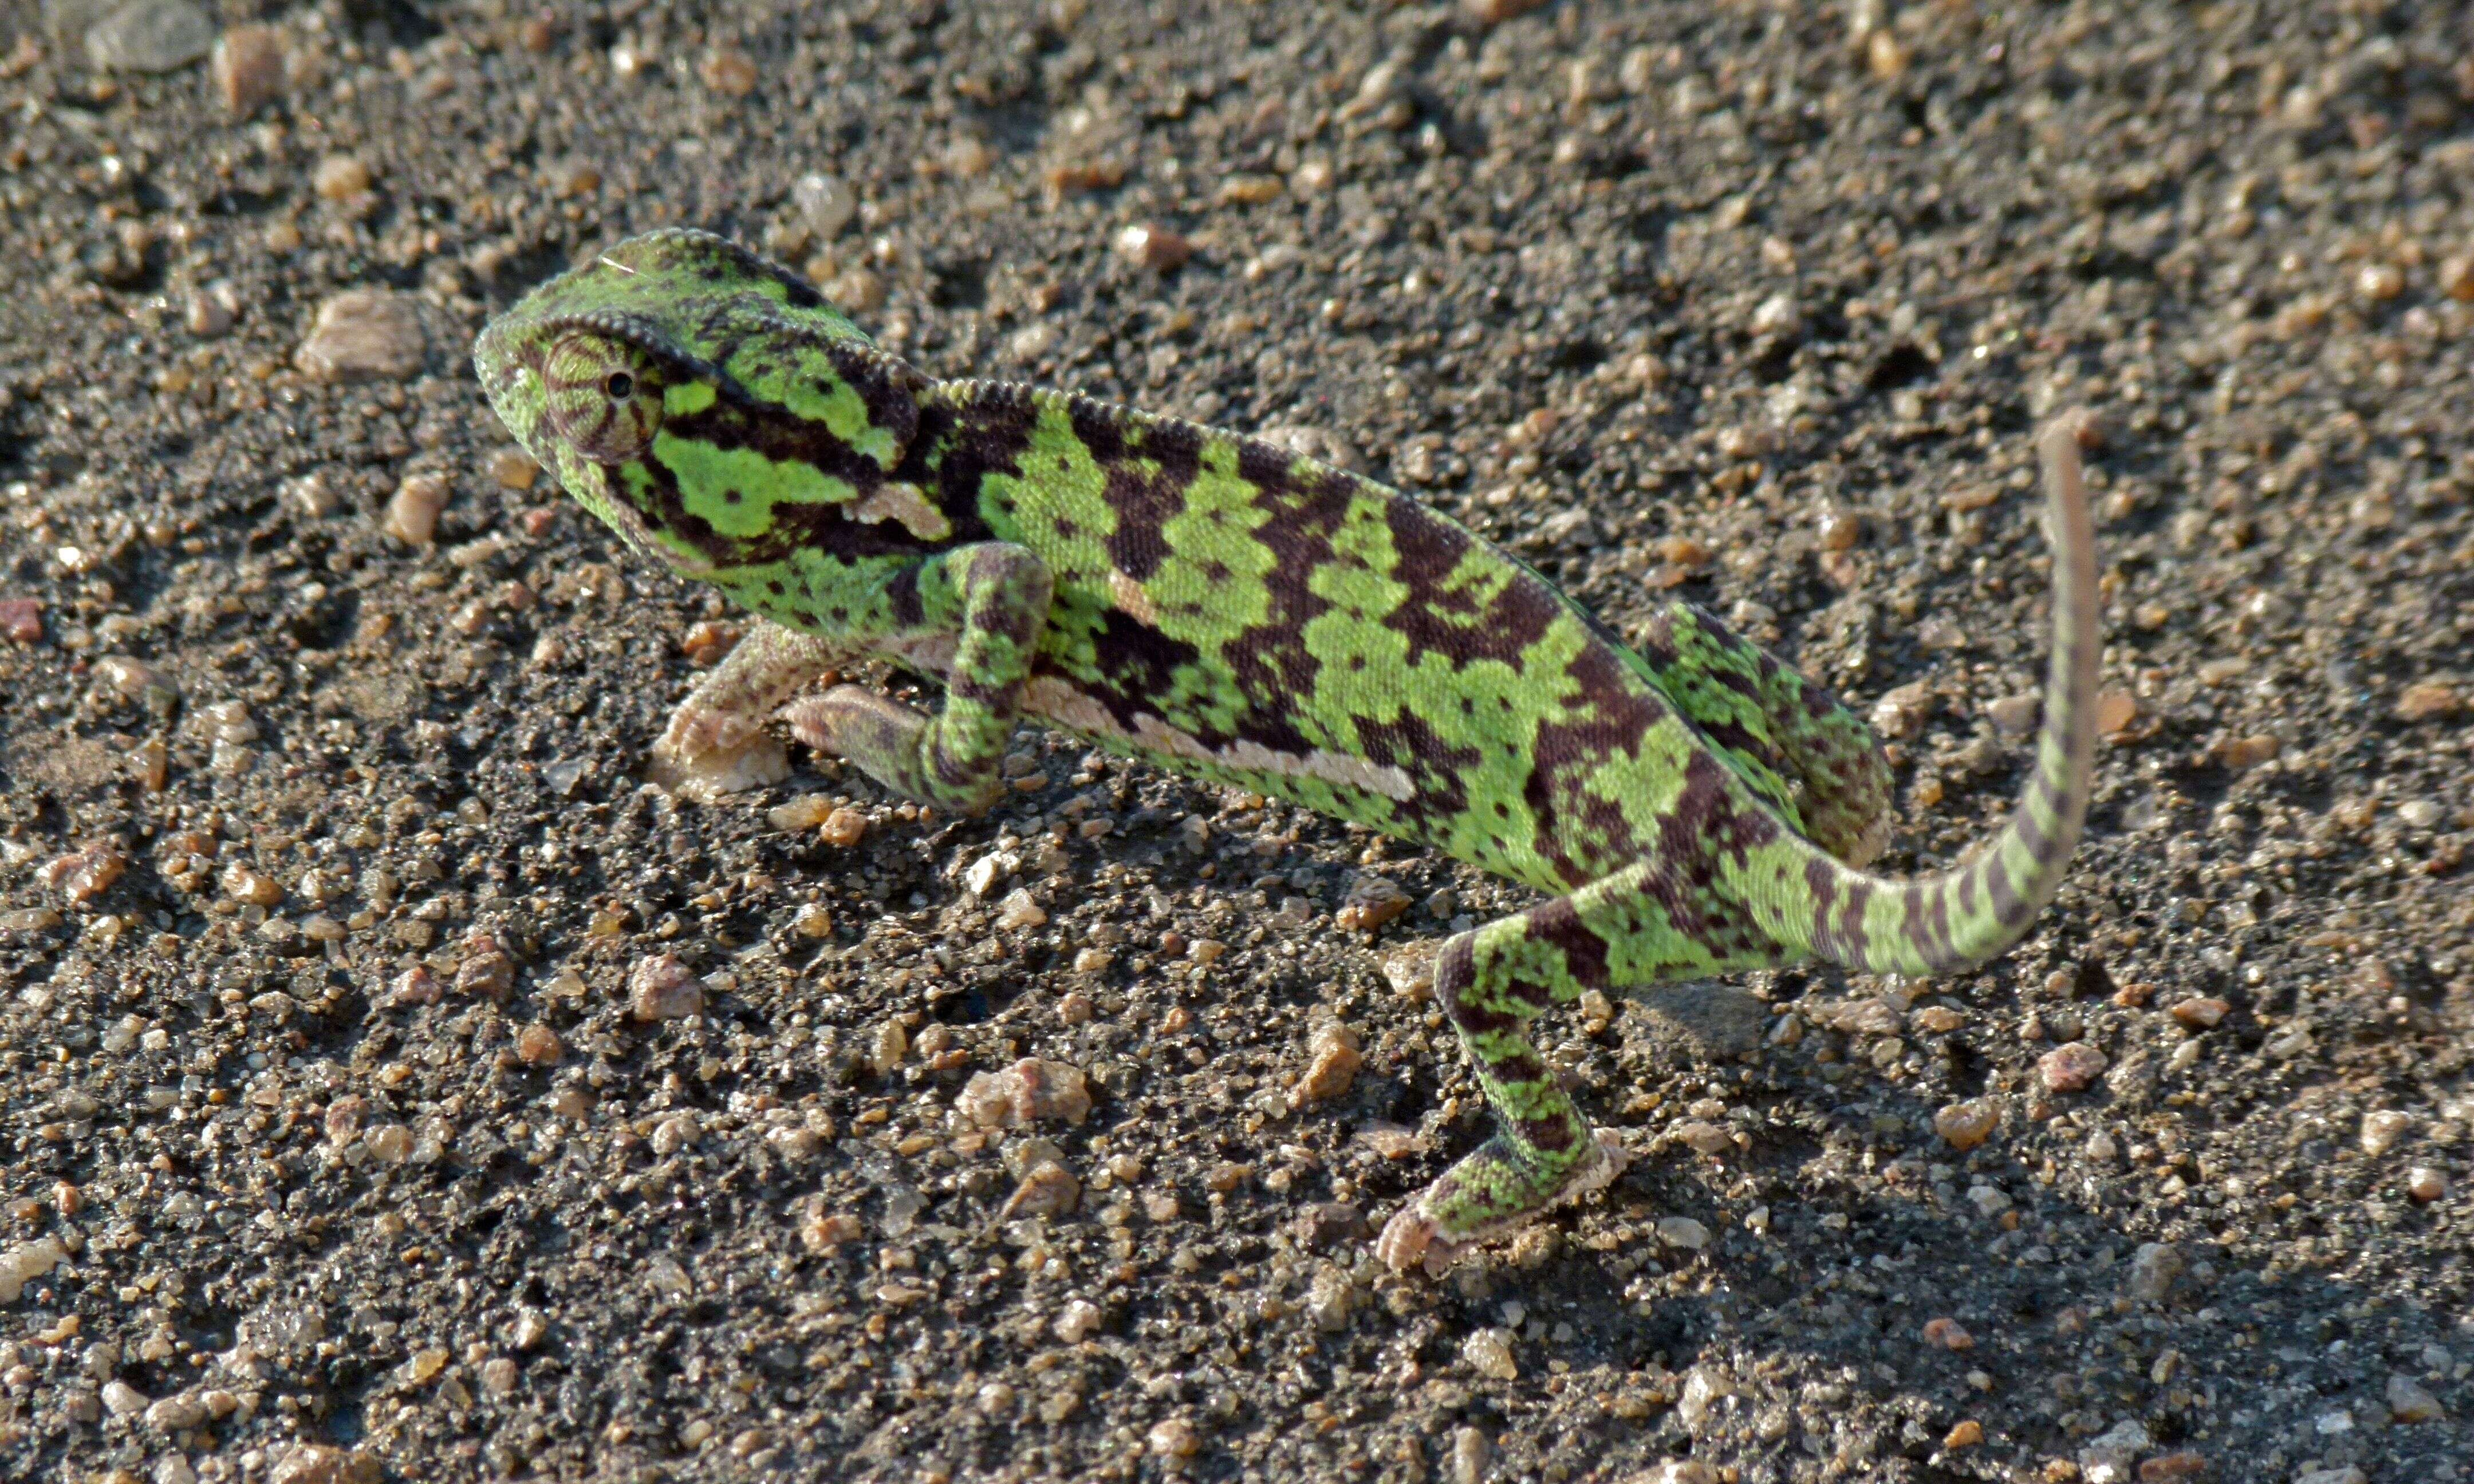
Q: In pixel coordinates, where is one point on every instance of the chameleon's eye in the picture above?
(604, 396)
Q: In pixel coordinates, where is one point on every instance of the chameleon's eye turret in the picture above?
(604, 396)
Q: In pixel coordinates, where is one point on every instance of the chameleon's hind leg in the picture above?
(1658, 920)
(1492, 981)
(1791, 729)
(991, 602)
(716, 742)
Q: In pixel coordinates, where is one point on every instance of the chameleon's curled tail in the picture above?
(1970, 913)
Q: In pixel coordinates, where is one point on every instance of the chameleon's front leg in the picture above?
(991, 600)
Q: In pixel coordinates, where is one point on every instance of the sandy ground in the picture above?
(393, 1082)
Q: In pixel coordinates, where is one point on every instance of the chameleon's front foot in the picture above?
(706, 752)
(1492, 1191)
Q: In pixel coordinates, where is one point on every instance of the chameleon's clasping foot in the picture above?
(706, 752)
(1478, 1197)
(883, 738)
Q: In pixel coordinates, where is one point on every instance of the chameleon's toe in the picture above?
(705, 753)
(1411, 1238)
(695, 730)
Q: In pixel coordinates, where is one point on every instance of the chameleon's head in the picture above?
(707, 404)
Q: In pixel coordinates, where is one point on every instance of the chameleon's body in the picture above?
(1232, 610)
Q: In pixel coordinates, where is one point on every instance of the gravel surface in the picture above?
(392, 1084)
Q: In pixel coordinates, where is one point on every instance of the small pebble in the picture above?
(1047, 1189)
(251, 887)
(1154, 247)
(2425, 1184)
(1078, 1321)
(538, 1045)
(824, 202)
(823, 1231)
(2424, 700)
(148, 36)
(21, 620)
(1682, 1233)
(2112, 1455)
(2068, 1068)
(1840, 529)
(2015, 716)
(341, 178)
(2378, 282)
(2204, 1013)
(122, 1399)
(364, 334)
(678, 1131)
(412, 512)
(249, 68)
(1966, 1125)
(2456, 277)
(513, 469)
(210, 311)
(1019, 911)
(2383, 1130)
(2153, 1267)
(176, 1414)
(1335, 1064)
(1373, 901)
(1704, 1137)
(1489, 1352)
(1489, 12)
(485, 969)
(729, 71)
(81, 875)
(843, 827)
(2411, 1401)
(1174, 1436)
(1948, 1334)
(890, 1045)
(661, 988)
(1030, 1091)
(316, 1463)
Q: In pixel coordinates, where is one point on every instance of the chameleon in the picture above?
(1234, 611)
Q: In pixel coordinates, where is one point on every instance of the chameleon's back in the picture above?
(1259, 618)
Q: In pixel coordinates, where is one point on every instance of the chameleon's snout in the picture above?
(502, 370)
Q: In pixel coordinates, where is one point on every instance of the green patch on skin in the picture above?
(1236, 614)
(739, 492)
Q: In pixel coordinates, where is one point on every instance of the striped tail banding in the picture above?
(1969, 914)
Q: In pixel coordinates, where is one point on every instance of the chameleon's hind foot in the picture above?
(887, 740)
(1486, 1194)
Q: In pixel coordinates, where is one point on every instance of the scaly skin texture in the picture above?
(1230, 611)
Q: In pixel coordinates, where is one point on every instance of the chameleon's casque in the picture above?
(1228, 610)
